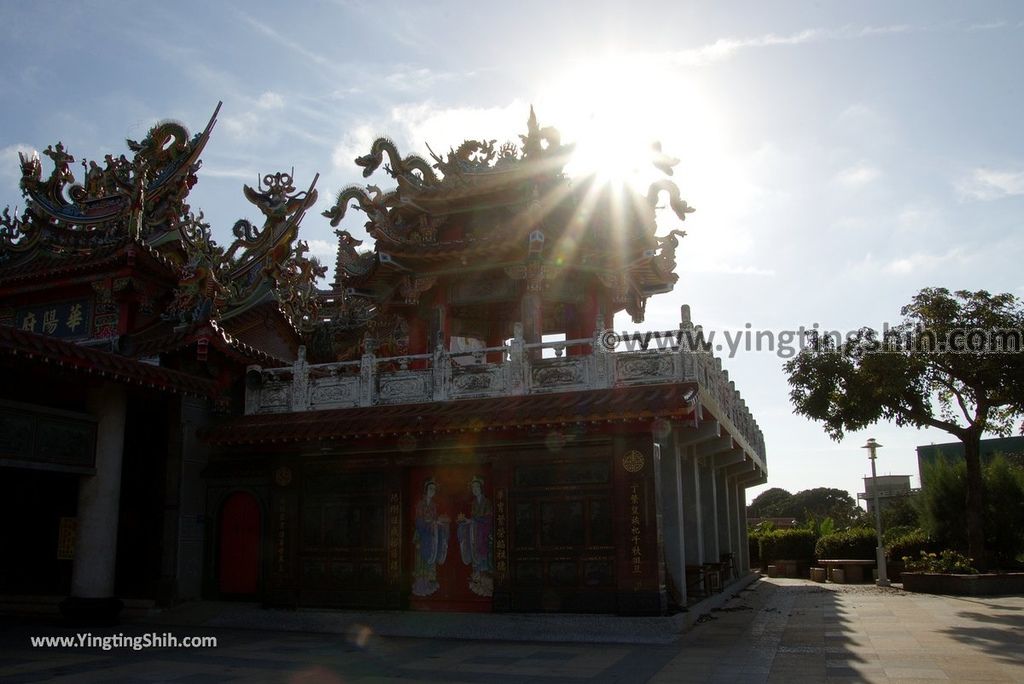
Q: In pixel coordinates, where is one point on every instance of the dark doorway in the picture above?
(240, 545)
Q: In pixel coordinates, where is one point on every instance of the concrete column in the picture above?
(99, 498)
(672, 515)
(693, 529)
(709, 511)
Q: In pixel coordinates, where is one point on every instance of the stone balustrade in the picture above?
(516, 369)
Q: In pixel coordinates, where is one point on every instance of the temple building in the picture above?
(450, 425)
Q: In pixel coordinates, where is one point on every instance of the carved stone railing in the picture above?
(516, 369)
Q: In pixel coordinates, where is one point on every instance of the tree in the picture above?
(821, 502)
(900, 513)
(767, 500)
(937, 368)
(1004, 507)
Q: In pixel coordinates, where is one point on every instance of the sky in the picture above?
(841, 156)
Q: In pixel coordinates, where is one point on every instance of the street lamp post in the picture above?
(883, 578)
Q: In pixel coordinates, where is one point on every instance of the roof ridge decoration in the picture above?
(262, 264)
(141, 199)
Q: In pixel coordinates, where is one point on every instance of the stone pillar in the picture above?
(672, 515)
(723, 507)
(741, 503)
(185, 505)
(709, 511)
(99, 497)
(738, 544)
(693, 534)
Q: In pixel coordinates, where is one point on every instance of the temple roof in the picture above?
(509, 207)
(88, 361)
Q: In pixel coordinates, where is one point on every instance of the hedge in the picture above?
(911, 544)
(855, 544)
(787, 544)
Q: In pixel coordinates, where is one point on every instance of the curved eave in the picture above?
(84, 360)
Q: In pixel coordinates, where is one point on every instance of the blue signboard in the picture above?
(68, 320)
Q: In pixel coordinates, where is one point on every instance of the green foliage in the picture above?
(767, 500)
(909, 375)
(948, 562)
(891, 534)
(786, 544)
(820, 526)
(762, 527)
(855, 544)
(900, 513)
(942, 513)
(807, 505)
(912, 543)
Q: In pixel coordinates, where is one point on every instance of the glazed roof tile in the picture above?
(77, 358)
(43, 265)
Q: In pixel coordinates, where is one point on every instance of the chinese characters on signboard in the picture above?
(500, 543)
(634, 521)
(394, 535)
(66, 538)
(68, 320)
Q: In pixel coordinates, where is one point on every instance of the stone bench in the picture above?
(845, 570)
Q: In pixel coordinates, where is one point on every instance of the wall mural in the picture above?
(475, 540)
(430, 542)
(474, 524)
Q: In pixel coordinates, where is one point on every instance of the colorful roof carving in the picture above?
(140, 199)
(510, 206)
(135, 204)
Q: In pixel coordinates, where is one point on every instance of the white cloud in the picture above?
(987, 26)
(355, 141)
(241, 127)
(444, 127)
(989, 184)
(407, 79)
(10, 164)
(284, 41)
(245, 174)
(270, 100)
(857, 176)
(724, 48)
(323, 250)
(712, 266)
(922, 261)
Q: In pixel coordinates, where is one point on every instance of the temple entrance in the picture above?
(240, 545)
(451, 527)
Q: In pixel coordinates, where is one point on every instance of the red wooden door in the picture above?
(240, 544)
(451, 534)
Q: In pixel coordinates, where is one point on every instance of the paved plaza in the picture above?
(775, 630)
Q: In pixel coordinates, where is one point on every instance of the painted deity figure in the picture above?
(475, 540)
(430, 542)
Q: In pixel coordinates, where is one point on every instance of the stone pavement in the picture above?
(775, 630)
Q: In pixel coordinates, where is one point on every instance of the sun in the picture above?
(619, 110)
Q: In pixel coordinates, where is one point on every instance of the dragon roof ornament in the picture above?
(141, 198)
(262, 264)
(512, 189)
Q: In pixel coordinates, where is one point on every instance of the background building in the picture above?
(1010, 447)
(891, 489)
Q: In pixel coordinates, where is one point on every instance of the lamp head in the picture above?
(871, 446)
